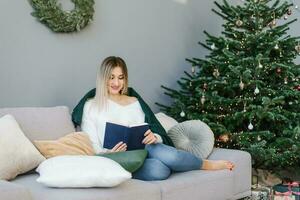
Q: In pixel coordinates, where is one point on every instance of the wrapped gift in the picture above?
(287, 191)
(279, 197)
(260, 193)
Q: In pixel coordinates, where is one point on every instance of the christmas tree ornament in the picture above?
(202, 100)
(256, 91)
(216, 73)
(250, 126)
(296, 6)
(297, 87)
(205, 86)
(278, 70)
(285, 17)
(224, 138)
(290, 103)
(260, 65)
(242, 85)
(190, 83)
(285, 80)
(182, 114)
(239, 22)
(193, 69)
(258, 138)
(297, 48)
(289, 11)
(213, 46)
(273, 23)
(276, 47)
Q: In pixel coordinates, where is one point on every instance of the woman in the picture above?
(114, 102)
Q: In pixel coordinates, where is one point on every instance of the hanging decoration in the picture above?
(239, 22)
(289, 11)
(216, 73)
(224, 138)
(242, 85)
(193, 69)
(213, 46)
(202, 99)
(182, 114)
(50, 13)
(297, 48)
(256, 91)
(250, 126)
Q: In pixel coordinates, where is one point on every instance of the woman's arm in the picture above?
(89, 126)
(150, 118)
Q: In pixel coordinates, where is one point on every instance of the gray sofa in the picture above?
(55, 122)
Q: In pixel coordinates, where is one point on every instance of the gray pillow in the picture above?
(193, 136)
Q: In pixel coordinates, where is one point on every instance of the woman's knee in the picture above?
(166, 154)
(152, 170)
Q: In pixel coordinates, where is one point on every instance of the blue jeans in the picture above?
(163, 159)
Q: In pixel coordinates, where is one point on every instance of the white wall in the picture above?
(42, 68)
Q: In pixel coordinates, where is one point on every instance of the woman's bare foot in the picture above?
(217, 165)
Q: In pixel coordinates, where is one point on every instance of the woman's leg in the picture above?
(177, 160)
(152, 170)
(217, 165)
(180, 161)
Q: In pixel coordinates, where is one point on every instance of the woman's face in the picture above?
(116, 81)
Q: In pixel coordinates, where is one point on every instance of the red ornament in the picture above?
(289, 11)
(278, 70)
(224, 138)
(297, 87)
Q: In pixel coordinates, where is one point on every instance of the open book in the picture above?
(132, 136)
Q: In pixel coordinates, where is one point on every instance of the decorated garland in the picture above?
(50, 13)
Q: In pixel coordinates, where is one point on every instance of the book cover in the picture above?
(132, 136)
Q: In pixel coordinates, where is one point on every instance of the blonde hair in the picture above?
(103, 76)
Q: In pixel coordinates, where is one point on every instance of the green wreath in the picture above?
(51, 14)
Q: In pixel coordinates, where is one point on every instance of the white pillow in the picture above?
(17, 154)
(166, 121)
(81, 171)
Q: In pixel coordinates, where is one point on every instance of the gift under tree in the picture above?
(247, 89)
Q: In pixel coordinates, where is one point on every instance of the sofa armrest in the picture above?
(242, 171)
(12, 191)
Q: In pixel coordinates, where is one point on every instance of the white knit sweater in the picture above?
(94, 122)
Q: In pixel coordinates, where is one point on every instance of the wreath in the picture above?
(50, 13)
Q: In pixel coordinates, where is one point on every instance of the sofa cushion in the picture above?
(12, 191)
(76, 143)
(42, 123)
(193, 136)
(81, 171)
(17, 154)
(166, 121)
(129, 190)
(197, 184)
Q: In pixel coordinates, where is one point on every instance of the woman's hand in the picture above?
(121, 146)
(150, 138)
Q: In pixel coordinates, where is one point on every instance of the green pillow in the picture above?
(129, 160)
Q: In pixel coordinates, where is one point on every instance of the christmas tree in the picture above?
(247, 88)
